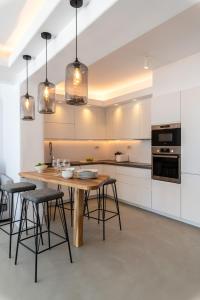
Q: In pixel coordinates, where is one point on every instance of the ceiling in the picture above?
(113, 40)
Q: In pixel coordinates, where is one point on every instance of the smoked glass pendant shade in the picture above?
(76, 84)
(27, 105)
(46, 98)
(27, 102)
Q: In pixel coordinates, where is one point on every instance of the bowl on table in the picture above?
(41, 168)
(68, 173)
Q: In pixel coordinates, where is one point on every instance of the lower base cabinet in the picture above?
(190, 198)
(134, 185)
(166, 198)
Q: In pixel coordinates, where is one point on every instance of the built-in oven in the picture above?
(166, 152)
(166, 164)
(166, 135)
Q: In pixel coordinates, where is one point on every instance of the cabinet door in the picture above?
(190, 204)
(90, 123)
(166, 197)
(64, 114)
(58, 131)
(166, 109)
(145, 119)
(100, 122)
(134, 185)
(190, 124)
(129, 121)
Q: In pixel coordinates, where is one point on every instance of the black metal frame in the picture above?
(36, 251)
(12, 215)
(102, 210)
(70, 202)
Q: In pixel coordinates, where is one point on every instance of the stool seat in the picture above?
(109, 181)
(42, 195)
(18, 187)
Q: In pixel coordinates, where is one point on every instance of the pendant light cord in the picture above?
(27, 76)
(76, 37)
(46, 61)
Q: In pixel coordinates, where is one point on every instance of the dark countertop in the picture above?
(113, 163)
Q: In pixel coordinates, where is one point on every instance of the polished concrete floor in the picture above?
(152, 258)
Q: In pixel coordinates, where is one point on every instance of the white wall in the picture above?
(32, 136)
(180, 75)
(10, 129)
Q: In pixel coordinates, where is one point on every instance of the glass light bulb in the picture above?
(77, 79)
(46, 94)
(27, 104)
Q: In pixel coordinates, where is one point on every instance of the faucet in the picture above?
(51, 151)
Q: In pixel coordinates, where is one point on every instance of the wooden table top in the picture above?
(52, 176)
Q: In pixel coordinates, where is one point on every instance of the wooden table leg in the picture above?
(78, 217)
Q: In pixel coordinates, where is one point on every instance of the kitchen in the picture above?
(138, 126)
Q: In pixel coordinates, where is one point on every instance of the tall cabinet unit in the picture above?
(166, 108)
(190, 188)
(166, 196)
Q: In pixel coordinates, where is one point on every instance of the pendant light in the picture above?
(27, 103)
(46, 89)
(76, 81)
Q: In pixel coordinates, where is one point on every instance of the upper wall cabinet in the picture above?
(90, 123)
(190, 123)
(61, 124)
(166, 108)
(129, 121)
(64, 114)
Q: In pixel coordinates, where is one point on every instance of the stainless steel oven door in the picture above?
(166, 167)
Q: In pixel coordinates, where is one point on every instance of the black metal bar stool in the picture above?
(42, 197)
(101, 205)
(69, 202)
(8, 191)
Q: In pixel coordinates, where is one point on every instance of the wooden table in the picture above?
(51, 176)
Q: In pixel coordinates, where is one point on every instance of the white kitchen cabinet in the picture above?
(166, 197)
(145, 119)
(58, 131)
(134, 185)
(166, 109)
(90, 123)
(190, 202)
(129, 121)
(64, 114)
(190, 124)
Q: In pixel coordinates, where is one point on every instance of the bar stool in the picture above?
(4, 179)
(101, 205)
(69, 202)
(42, 197)
(9, 190)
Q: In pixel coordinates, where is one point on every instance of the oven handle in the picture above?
(166, 156)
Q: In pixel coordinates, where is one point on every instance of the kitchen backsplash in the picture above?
(139, 151)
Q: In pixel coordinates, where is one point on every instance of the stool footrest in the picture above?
(105, 210)
(41, 251)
